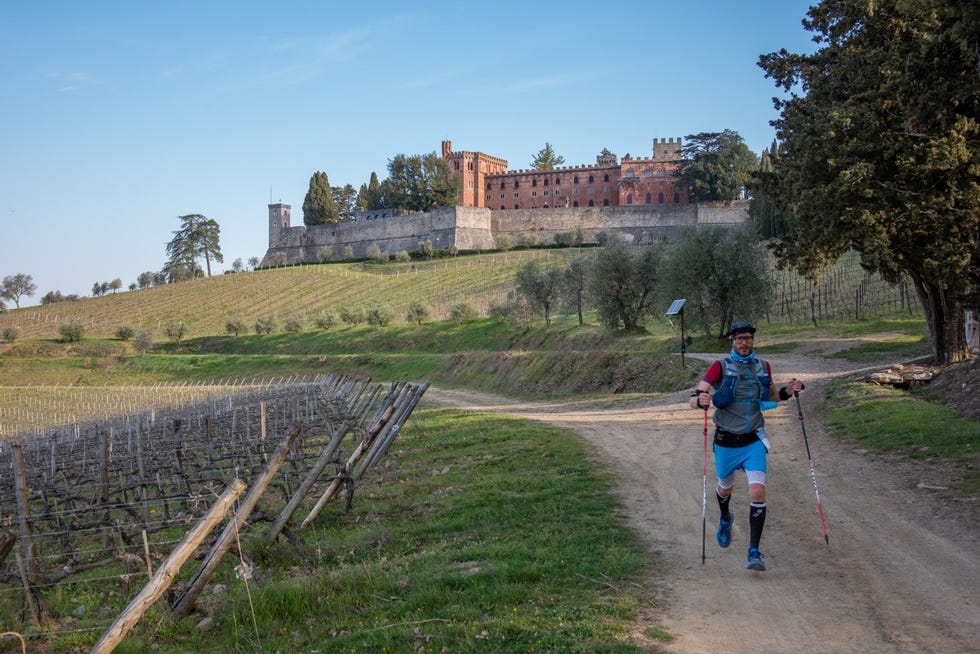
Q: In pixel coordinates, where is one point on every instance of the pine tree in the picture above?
(546, 159)
(319, 207)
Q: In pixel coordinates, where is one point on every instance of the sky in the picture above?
(118, 117)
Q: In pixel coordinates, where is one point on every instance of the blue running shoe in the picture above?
(724, 533)
(755, 561)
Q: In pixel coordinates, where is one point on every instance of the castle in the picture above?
(640, 198)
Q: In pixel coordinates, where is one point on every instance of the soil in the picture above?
(900, 573)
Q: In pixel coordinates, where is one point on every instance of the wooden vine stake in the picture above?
(166, 573)
(186, 601)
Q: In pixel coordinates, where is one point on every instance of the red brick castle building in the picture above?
(487, 183)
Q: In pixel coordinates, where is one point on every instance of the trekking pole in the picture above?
(704, 486)
(813, 475)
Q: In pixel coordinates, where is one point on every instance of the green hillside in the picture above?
(846, 293)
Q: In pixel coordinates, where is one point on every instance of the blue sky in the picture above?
(118, 117)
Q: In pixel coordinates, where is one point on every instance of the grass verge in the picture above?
(477, 533)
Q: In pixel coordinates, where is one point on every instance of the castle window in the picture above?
(591, 203)
(469, 183)
(456, 165)
(605, 189)
(629, 199)
(591, 190)
(469, 166)
(575, 204)
(660, 198)
(648, 173)
(546, 192)
(591, 179)
(488, 197)
(575, 180)
(534, 182)
(605, 178)
(558, 181)
(517, 195)
(677, 198)
(649, 198)
(605, 202)
(629, 174)
(517, 183)
(661, 173)
(501, 206)
(501, 196)
(574, 191)
(545, 181)
(488, 186)
(534, 194)
(516, 207)
(501, 184)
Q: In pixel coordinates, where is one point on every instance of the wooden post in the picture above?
(28, 562)
(185, 602)
(359, 451)
(325, 457)
(166, 573)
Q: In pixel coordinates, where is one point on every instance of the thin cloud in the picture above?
(70, 81)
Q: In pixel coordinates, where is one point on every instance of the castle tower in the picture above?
(278, 220)
(668, 149)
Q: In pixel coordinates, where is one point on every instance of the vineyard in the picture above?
(94, 508)
(845, 293)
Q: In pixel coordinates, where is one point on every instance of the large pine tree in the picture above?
(319, 207)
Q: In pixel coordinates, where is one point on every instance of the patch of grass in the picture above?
(887, 419)
(476, 533)
(898, 348)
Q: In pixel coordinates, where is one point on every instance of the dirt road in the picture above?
(901, 573)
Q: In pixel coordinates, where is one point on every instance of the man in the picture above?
(741, 388)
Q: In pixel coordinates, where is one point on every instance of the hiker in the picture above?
(741, 387)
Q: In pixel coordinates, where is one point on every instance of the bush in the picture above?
(380, 316)
(143, 341)
(324, 320)
(324, 254)
(417, 313)
(348, 252)
(403, 256)
(352, 316)
(375, 254)
(124, 332)
(235, 326)
(11, 333)
(527, 240)
(463, 312)
(266, 325)
(71, 332)
(293, 325)
(425, 249)
(516, 310)
(504, 242)
(176, 331)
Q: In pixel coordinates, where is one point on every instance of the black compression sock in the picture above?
(723, 505)
(757, 519)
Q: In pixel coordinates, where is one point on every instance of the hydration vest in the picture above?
(739, 393)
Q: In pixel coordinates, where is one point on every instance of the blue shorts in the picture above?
(749, 457)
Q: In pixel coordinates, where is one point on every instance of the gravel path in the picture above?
(901, 572)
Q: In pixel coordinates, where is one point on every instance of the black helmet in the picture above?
(741, 327)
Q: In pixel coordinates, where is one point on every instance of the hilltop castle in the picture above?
(486, 182)
(639, 198)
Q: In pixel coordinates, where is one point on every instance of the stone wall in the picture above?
(475, 228)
